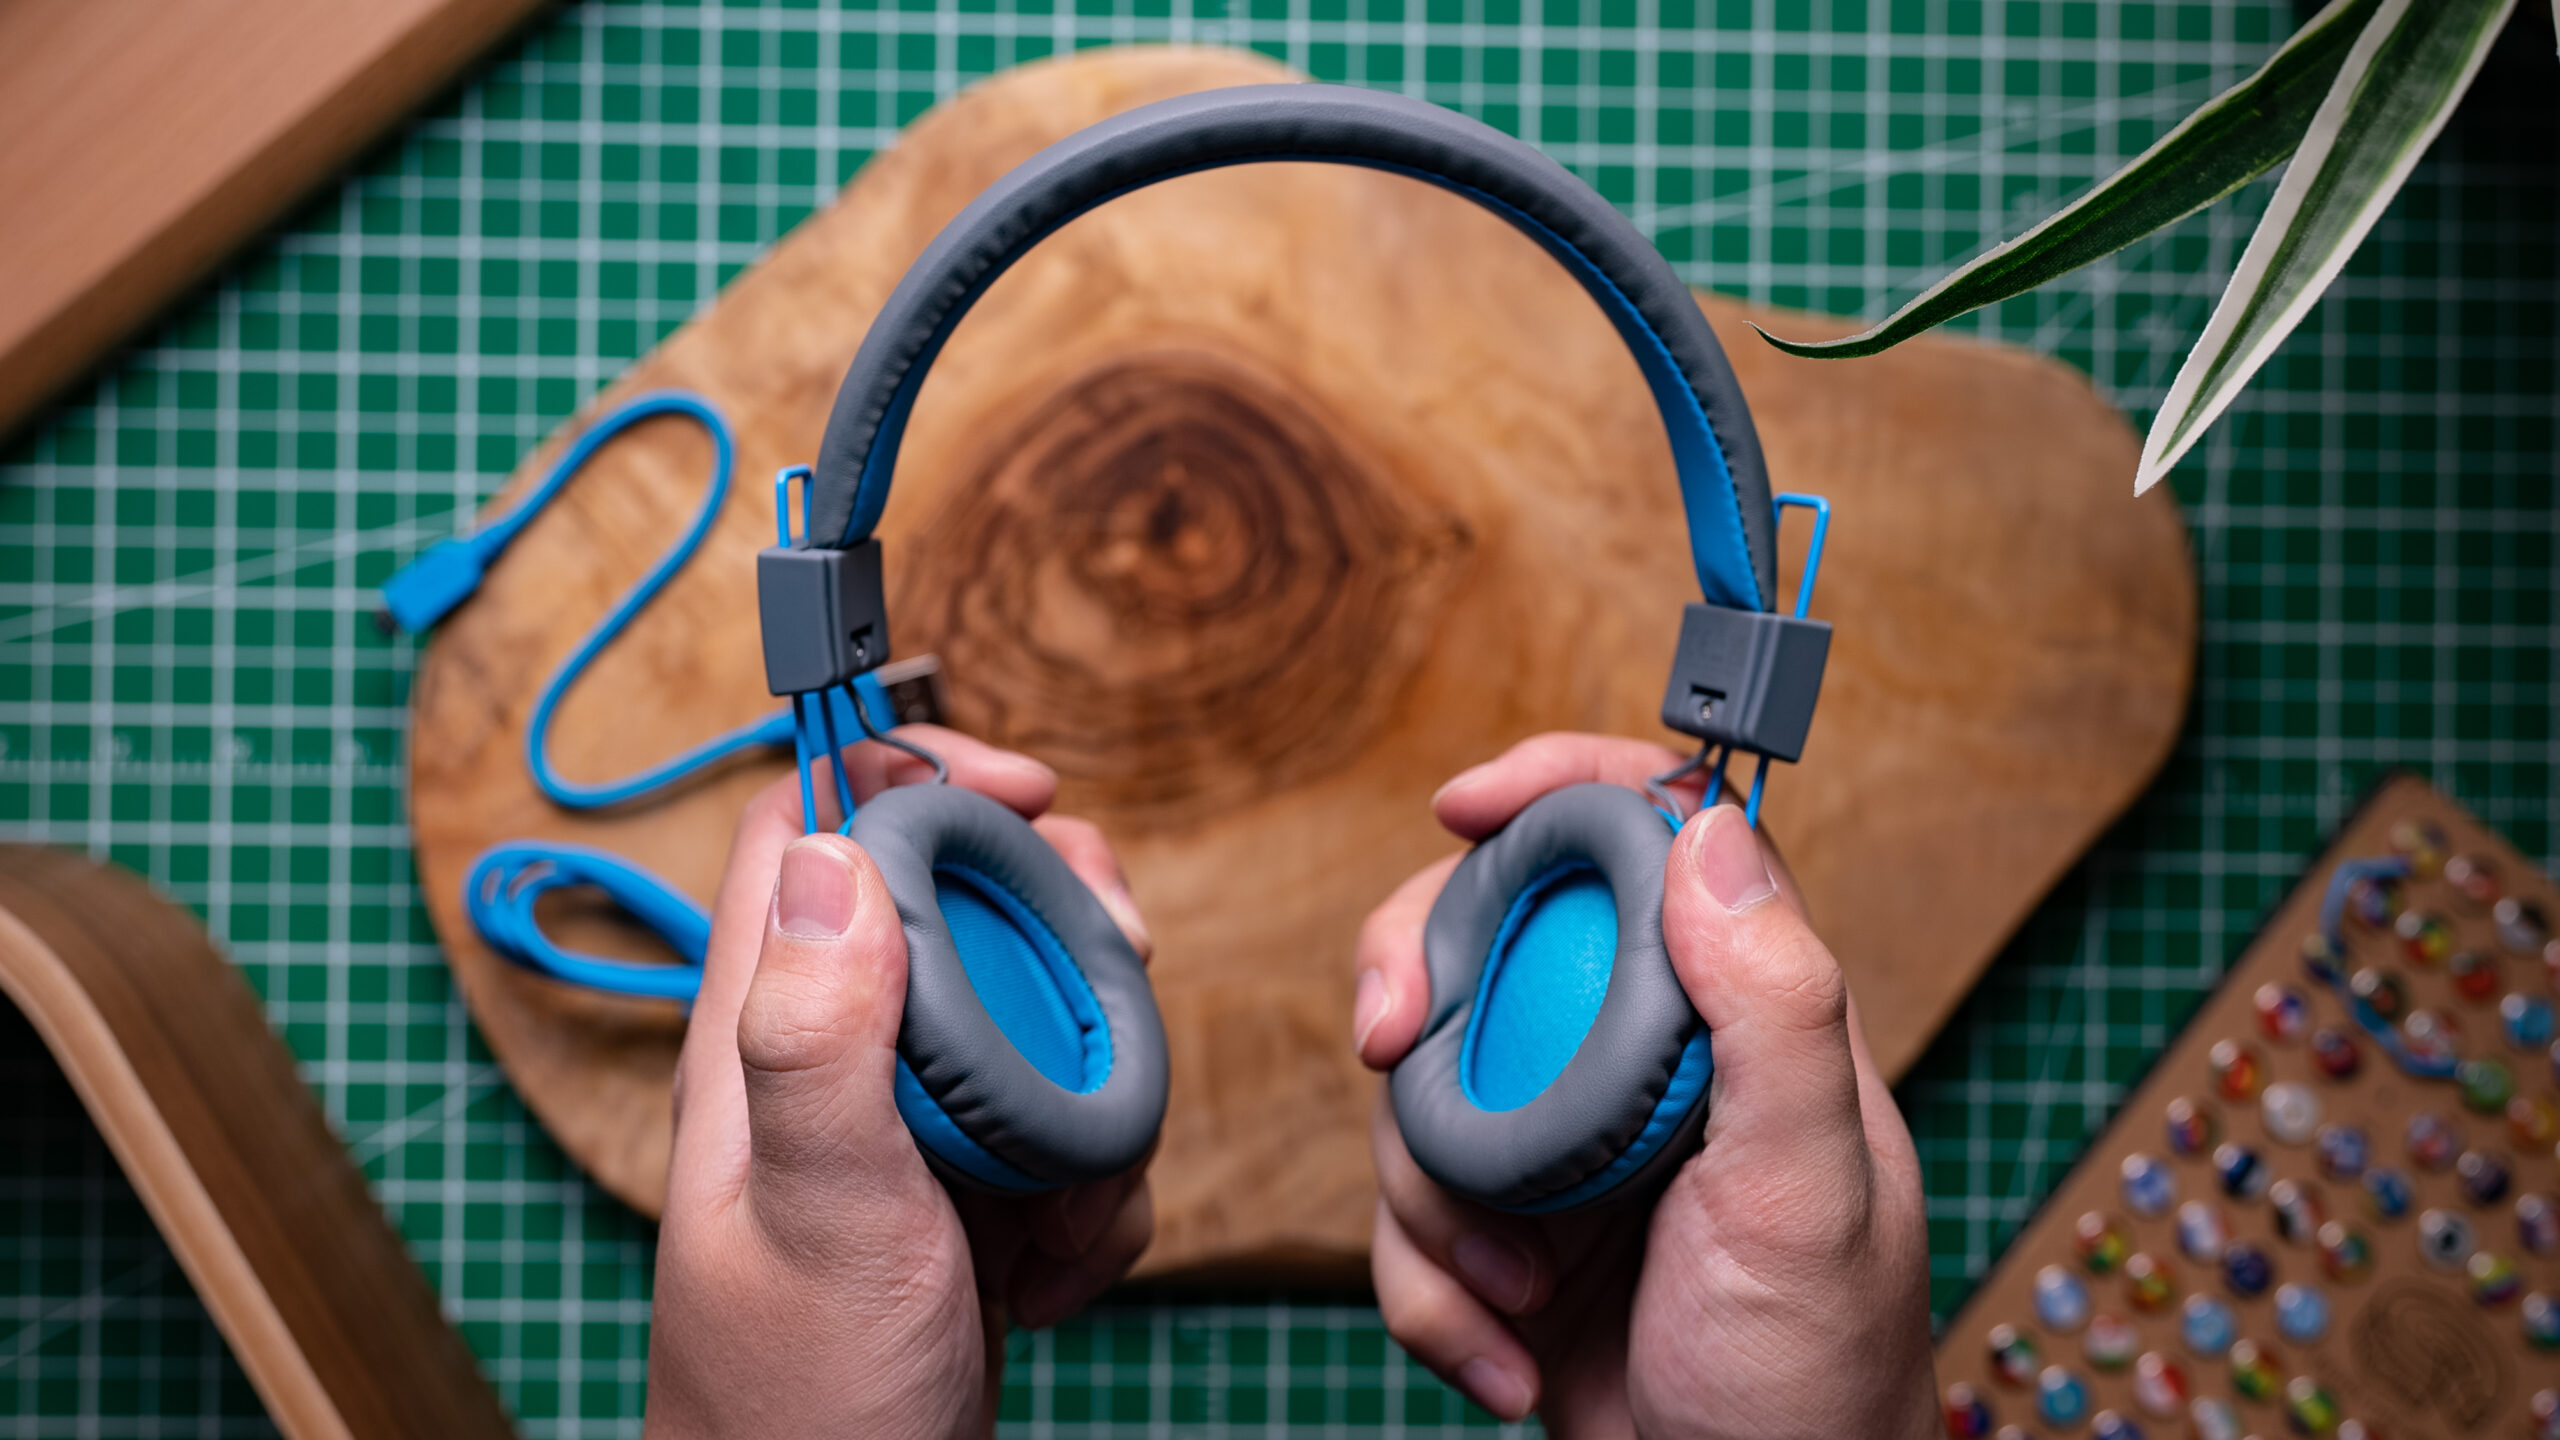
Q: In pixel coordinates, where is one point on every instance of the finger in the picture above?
(1482, 800)
(1046, 1290)
(1391, 988)
(818, 1030)
(710, 1101)
(1449, 1330)
(1767, 988)
(1079, 842)
(1014, 779)
(1502, 1261)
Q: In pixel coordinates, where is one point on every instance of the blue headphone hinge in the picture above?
(824, 613)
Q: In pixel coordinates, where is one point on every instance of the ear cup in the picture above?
(1560, 1062)
(1031, 1055)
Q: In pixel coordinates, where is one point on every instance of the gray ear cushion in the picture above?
(1243, 124)
(963, 1060)
(1593, 1115)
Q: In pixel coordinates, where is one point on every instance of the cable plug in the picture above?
(426, 589)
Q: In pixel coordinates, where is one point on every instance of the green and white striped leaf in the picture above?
(2398, 85)
(2238, 136)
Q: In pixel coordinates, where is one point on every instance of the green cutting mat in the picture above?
(189, 682)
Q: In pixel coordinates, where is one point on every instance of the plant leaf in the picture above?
(2236, 137)
(2397, 88)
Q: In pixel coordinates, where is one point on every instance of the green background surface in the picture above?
(189, 682)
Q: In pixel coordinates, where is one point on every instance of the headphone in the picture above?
(1560, 1063)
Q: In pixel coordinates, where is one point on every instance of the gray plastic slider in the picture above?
(1746, 678)
(824, 616)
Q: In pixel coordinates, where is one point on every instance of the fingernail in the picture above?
(1494, 1388)
(1369, 1005)
(1728, 858)
(1460, 780)
(1123, 909)
(814, 898)
(1088, 1207)
(1497, 1269)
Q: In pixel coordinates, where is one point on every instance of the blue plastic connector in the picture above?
(426, 589)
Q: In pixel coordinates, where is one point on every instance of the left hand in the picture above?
(814, 1278)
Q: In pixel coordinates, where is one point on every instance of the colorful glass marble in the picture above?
(2062, 1397)
(2013, 1355)
(2545, 1409)
(2159, 1386)
(2191, 1124)
(2302, 1313)
(2527, 1019)
(2541, 1314)
(2522, 927)
(2431, 1037)
(2388, 1193)
(2342, 1151)
(2474, 880)
(2538, 1224)
(2108, 1425)
(2375, 900)
(2494, 1278)
(2310, 1408)
(2445, 1239)
(2487, 1084)
(1968, 1414)
(2321, 962)
(2297, 1210)
(2247, 1269)
(2380, 990)
(2214, 1419)
(2290, 1111)
(2533, 1121)
(2283, 1013)
(2011, 1432)
(2149, 1285)
(2241, 1170)
(2110, 1342)
(2253, 1371)
(2424, 938)
(2483, 1177)
(2238, 1071)
(2346, 1256)
(2433, 1140)
(2061, 1301)
(2423, 844)
(2336, 1052)
(2102, 1241)
(2203, 1230)
(2206, 1324)
(2149, 1187)
(2475, 976)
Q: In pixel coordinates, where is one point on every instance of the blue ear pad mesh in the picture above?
(1560, 1062)
(1032, 1055)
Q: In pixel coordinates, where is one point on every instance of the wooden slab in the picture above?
(2408, 1351)
(200, 1102)
(1259, 503)
(141, 140)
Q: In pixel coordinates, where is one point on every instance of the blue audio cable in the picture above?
(506, 881)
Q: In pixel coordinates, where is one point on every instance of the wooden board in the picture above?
(203, 1109)
(141, 140)
(1260, 503)
(2408, 1350)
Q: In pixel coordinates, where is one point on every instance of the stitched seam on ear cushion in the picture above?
(1084, 1004)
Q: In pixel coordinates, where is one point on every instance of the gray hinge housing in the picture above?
(824, 614)
(1746, 678)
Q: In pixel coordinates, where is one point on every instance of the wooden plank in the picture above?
(1259, 503)
(203, 1109)
(141, 141)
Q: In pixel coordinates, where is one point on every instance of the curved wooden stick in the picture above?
(172, 1056)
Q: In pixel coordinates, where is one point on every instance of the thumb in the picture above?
(1768, 989)
(818, 1033)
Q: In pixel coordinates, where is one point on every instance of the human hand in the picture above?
(814, 1278)
(1779, 1286)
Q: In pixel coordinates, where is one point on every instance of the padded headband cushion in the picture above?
(1533, 1087)
(1724, 483)
(1031, 1055)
